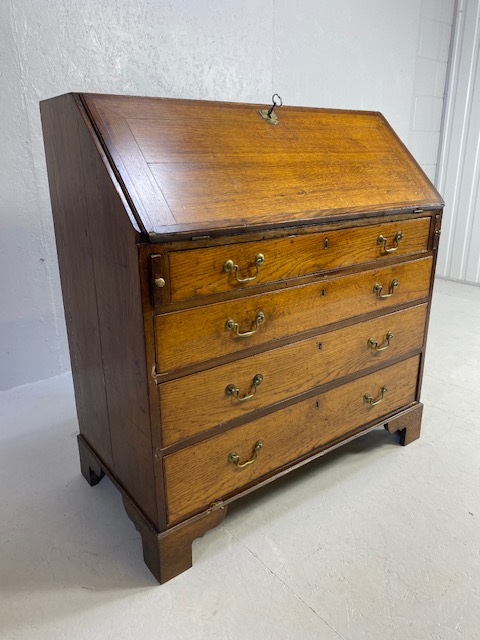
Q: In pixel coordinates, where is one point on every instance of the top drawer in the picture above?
(201, 272)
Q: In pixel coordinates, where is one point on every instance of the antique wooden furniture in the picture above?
(240, 297)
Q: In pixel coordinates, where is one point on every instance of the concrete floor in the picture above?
(373, 541)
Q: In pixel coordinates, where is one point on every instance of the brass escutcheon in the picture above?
(382, 240)
(235, 458)
(269, 114)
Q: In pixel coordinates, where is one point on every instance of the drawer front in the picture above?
(195, 335)
(201, 272)
(266, 378)
(203, 473)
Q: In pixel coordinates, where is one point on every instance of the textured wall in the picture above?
(349, 53)
(430, 76)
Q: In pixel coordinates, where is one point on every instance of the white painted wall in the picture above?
(459, 167)
(359, 54)
(433, 50)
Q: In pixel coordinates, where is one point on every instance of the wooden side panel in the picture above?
(114, 277)
(72, 231)
(201, 474)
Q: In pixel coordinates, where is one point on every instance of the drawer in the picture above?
(200, 272)
(203, 473)
(269, 377)
(195, 335)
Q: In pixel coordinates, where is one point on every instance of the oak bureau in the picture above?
(244, 288)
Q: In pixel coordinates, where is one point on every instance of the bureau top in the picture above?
(196, 167)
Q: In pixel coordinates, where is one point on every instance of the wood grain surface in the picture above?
(200, 272)
(148, 189)
(197, 166)
(201, 474)
(198, 402)
(67, 194)
(200, 334)
(101, 269)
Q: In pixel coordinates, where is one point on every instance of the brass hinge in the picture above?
(216, 506)
(155, 375)
(436, 233)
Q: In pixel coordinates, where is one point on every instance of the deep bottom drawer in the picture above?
(203, 473)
